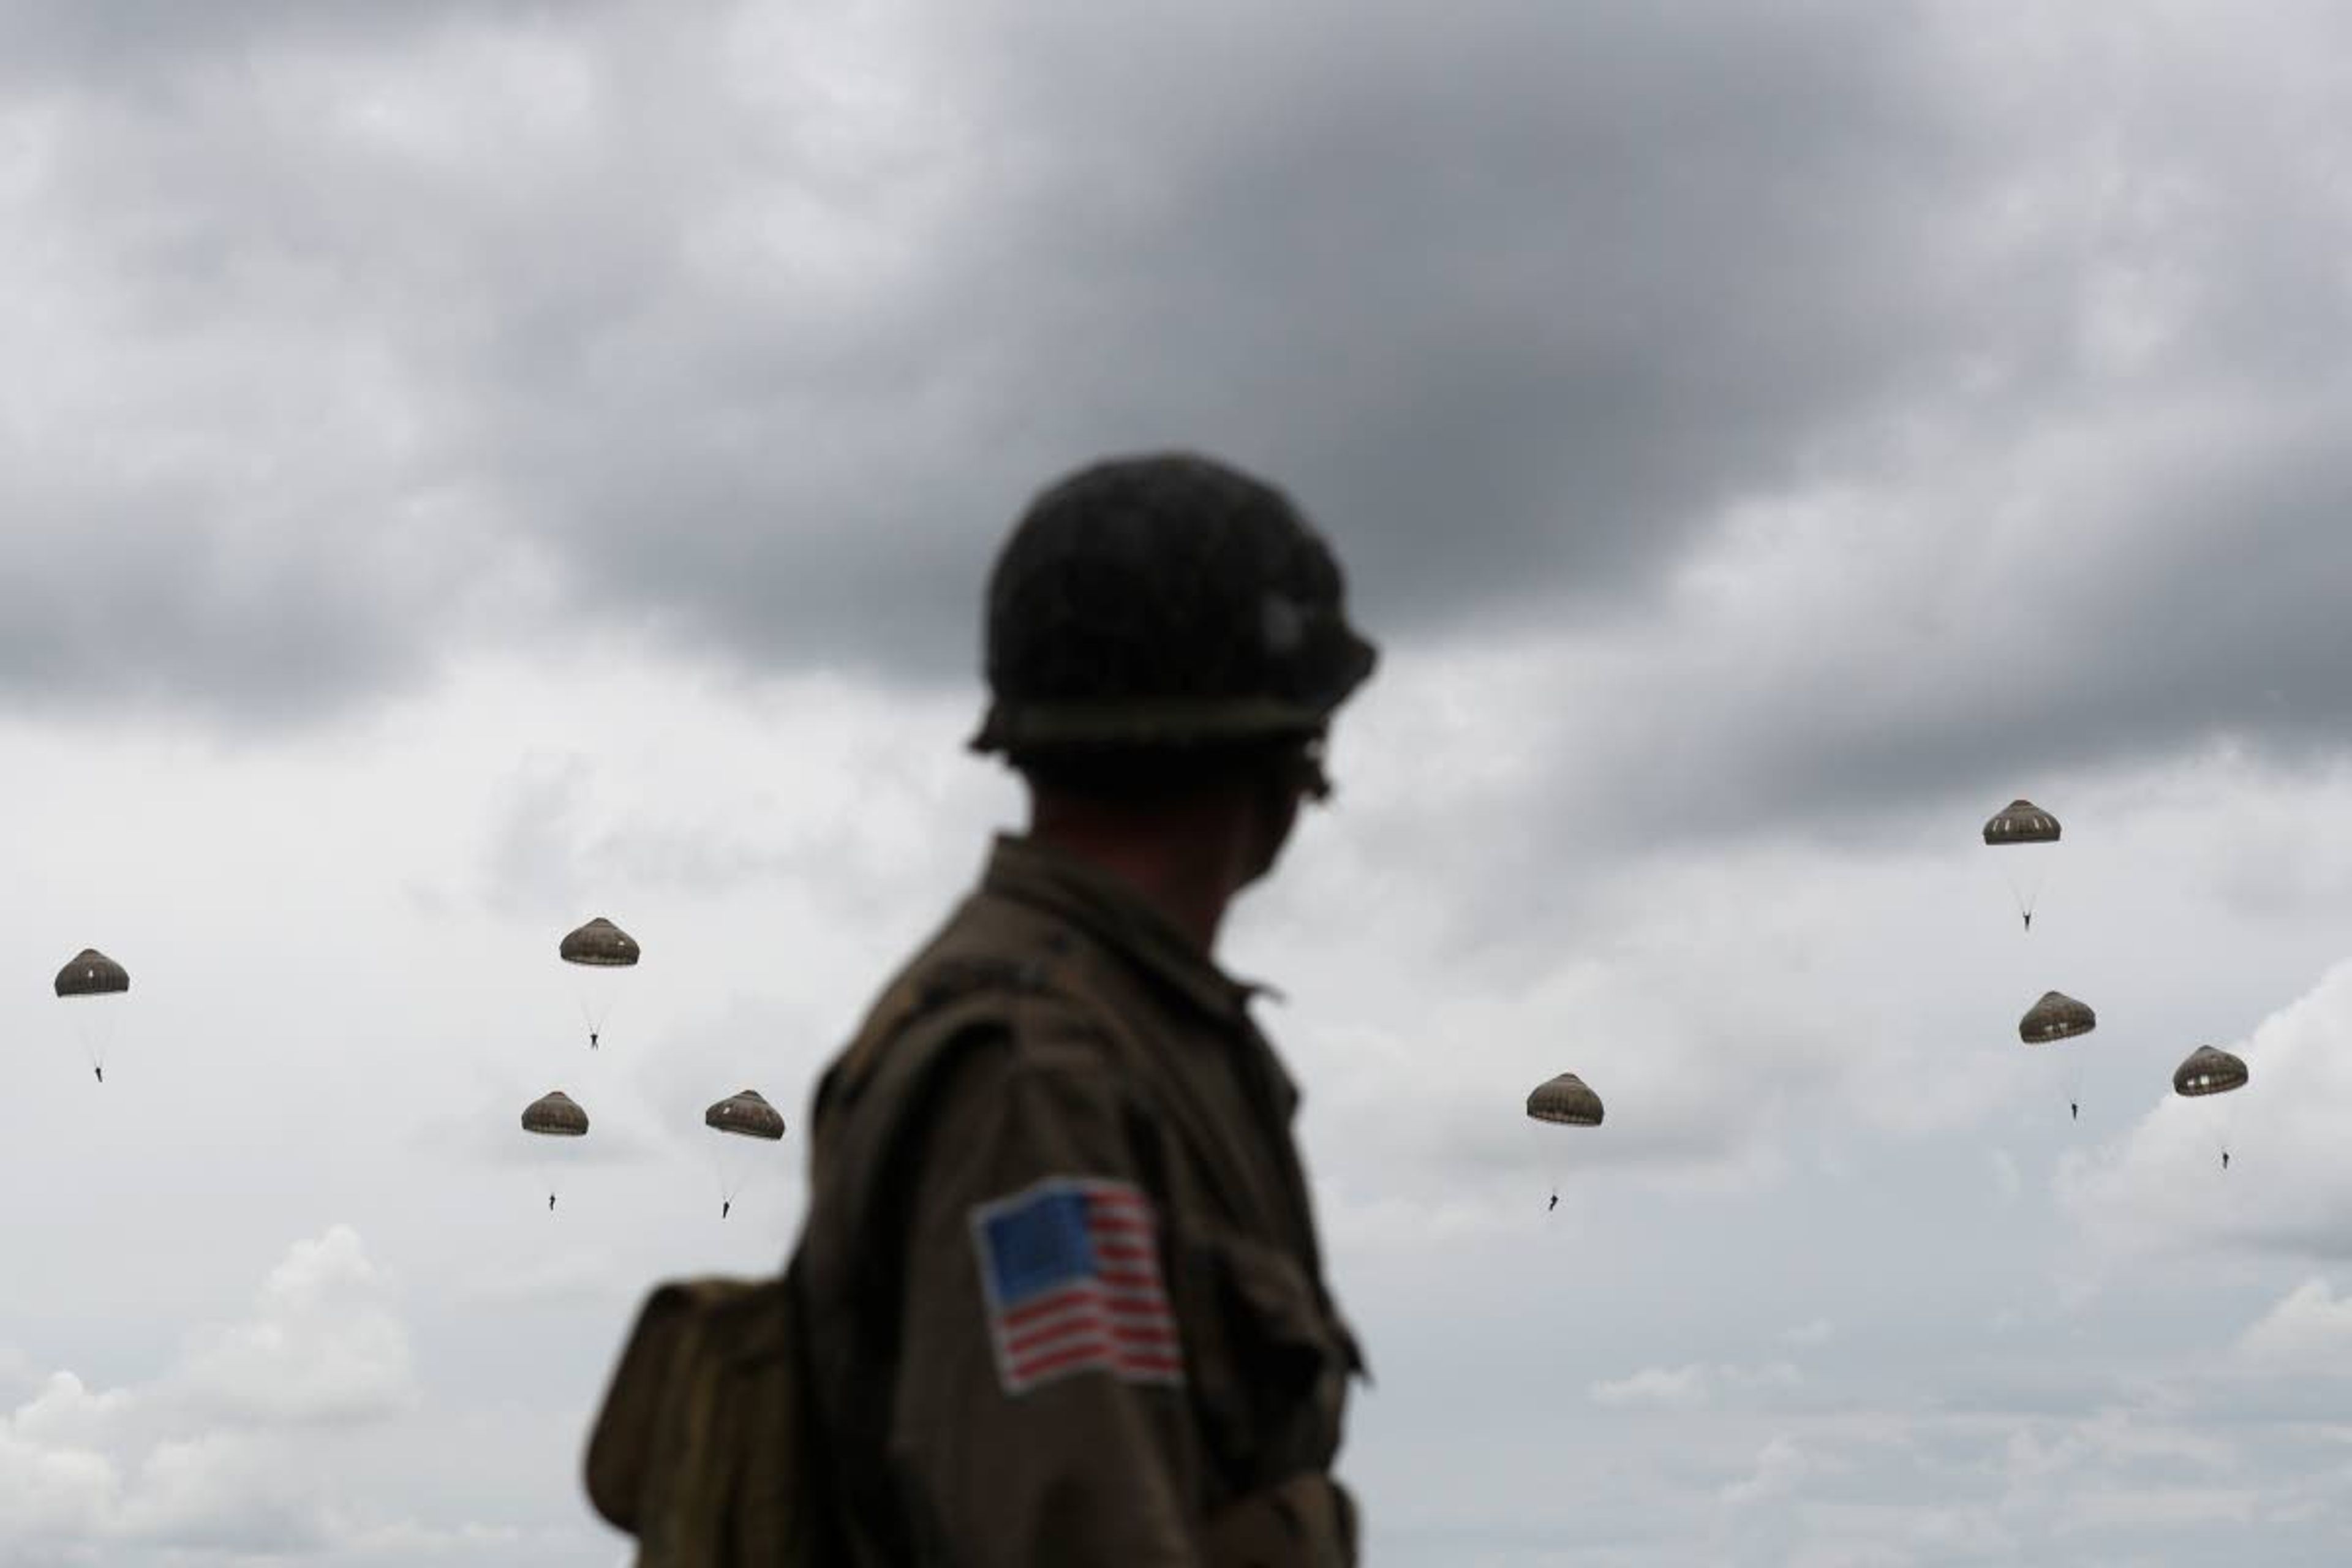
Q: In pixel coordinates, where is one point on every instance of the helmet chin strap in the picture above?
(1313, 781)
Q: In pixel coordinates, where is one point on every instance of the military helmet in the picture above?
(1167, 600)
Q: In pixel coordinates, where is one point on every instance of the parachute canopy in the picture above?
(556, 1115)
(2021, 822)
(2209, 1071)
(2057, 1016)
(601, 944)
(92, 973)
(1566, 1100)
(746, 1114)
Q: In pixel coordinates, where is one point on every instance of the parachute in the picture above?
(2206, 1071)
(2209, 1071)
(2022, 822)
(2058, 1017)
(742, 1115)
(746, 1114)
(90, 974)
(1564, 1101)
(598, 945)
(554, 1114)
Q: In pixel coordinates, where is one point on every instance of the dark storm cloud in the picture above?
(1511, 303)
(369, 337)
(114, 40)
(1507, 302)
(2197, 607)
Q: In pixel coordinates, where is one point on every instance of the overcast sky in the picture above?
(465, 468)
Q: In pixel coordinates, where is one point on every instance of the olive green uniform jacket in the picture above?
(1063, 1298)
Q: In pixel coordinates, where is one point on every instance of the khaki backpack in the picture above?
(701, 1449)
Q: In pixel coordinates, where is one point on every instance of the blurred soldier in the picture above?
(1060, 1285)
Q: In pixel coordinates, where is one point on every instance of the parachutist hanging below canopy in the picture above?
(598, 945)
(555, 1114)
(1564, 1101)
(746, 1114)
(90, 974)
(2022, 822)
(2207, 1072)
(2058, 1017)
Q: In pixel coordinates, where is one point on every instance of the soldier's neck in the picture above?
(1184, 879)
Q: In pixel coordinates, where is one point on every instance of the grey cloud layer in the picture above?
(360, 344)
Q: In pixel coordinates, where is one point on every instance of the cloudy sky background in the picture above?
(465, 468)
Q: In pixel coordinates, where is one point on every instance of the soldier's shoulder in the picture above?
(996, 968)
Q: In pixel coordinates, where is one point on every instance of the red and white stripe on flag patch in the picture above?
(1070, 1271)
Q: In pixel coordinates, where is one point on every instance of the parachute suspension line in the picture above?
(594, 1018)
(95, 1030)
(2027, 891)
(736, 1164)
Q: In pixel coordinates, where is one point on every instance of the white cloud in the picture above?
(1780, 1468)
(53, 1489)
(2007, 1179)
(226, 1490)
(1691, 1386)
(221, 1452)
(323, 1344)
(2309, 1333)
(66, 1411)
(2144, 1508)
(2288, 1190)
(1676, 1388)
(1771, 1374)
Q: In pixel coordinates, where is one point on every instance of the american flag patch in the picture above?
(1070, 1270)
